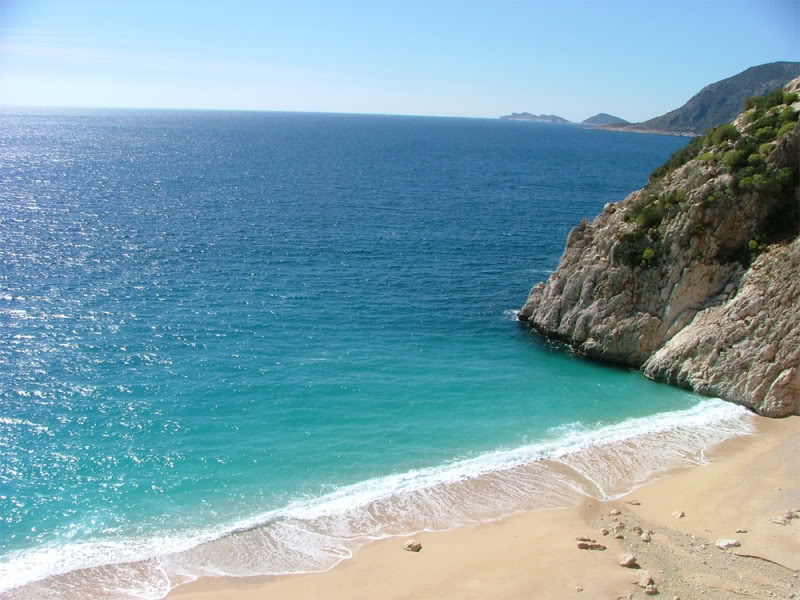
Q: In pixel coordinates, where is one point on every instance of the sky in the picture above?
(635, 59)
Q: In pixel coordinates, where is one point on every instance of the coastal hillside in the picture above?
(526, 116)
(604, 119)
(694, 278)
(720, 102)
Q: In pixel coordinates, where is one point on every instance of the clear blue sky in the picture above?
(635, 59)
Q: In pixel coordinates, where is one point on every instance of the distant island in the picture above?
(604, 119)
(526, 116)
(715, 104)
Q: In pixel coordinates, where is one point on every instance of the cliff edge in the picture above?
(695, 278)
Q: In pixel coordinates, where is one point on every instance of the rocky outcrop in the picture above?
(695, 278)
(747, 350)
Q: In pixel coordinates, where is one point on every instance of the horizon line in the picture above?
(4, 107)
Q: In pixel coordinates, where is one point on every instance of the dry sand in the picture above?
(534, 555)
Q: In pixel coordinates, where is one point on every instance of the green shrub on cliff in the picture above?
(788, 115)
(679, 158)
(785, 176)
(631, 247)
(774, 98)
(785, 128)
(723, 133)
(650, 215)
(765, 134)
(649, 257)
(734, 158)
(748, 154)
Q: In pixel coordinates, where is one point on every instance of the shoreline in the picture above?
(631, 129)
(534, 555)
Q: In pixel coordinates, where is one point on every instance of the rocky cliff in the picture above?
(695, 278)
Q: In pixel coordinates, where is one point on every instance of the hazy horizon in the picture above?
(460, 59)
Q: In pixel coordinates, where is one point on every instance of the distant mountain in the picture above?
(605, 119)
(722, 101)
(526, 116)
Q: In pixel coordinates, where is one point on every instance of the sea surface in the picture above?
(244, 344)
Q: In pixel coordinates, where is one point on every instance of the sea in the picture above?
(250, 343)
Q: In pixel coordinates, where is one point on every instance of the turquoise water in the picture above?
(248, 343)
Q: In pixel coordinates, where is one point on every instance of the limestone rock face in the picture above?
(695, 316)
(747, 350)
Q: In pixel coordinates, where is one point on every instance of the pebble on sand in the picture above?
(412, 546)
(590, 546)
(646, 579)
(627, 560)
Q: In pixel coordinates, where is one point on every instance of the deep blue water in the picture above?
(215, 321)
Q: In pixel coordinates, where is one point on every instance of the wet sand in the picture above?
(534, 555)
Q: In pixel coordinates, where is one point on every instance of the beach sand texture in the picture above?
(748, 482)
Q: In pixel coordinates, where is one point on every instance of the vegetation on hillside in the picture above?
(743, 153)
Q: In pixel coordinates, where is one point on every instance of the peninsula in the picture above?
(693, 279)
(718, 102)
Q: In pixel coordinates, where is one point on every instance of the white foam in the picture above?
(315, 534)
(34, 426)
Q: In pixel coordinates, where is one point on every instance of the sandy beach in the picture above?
(748, 482)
